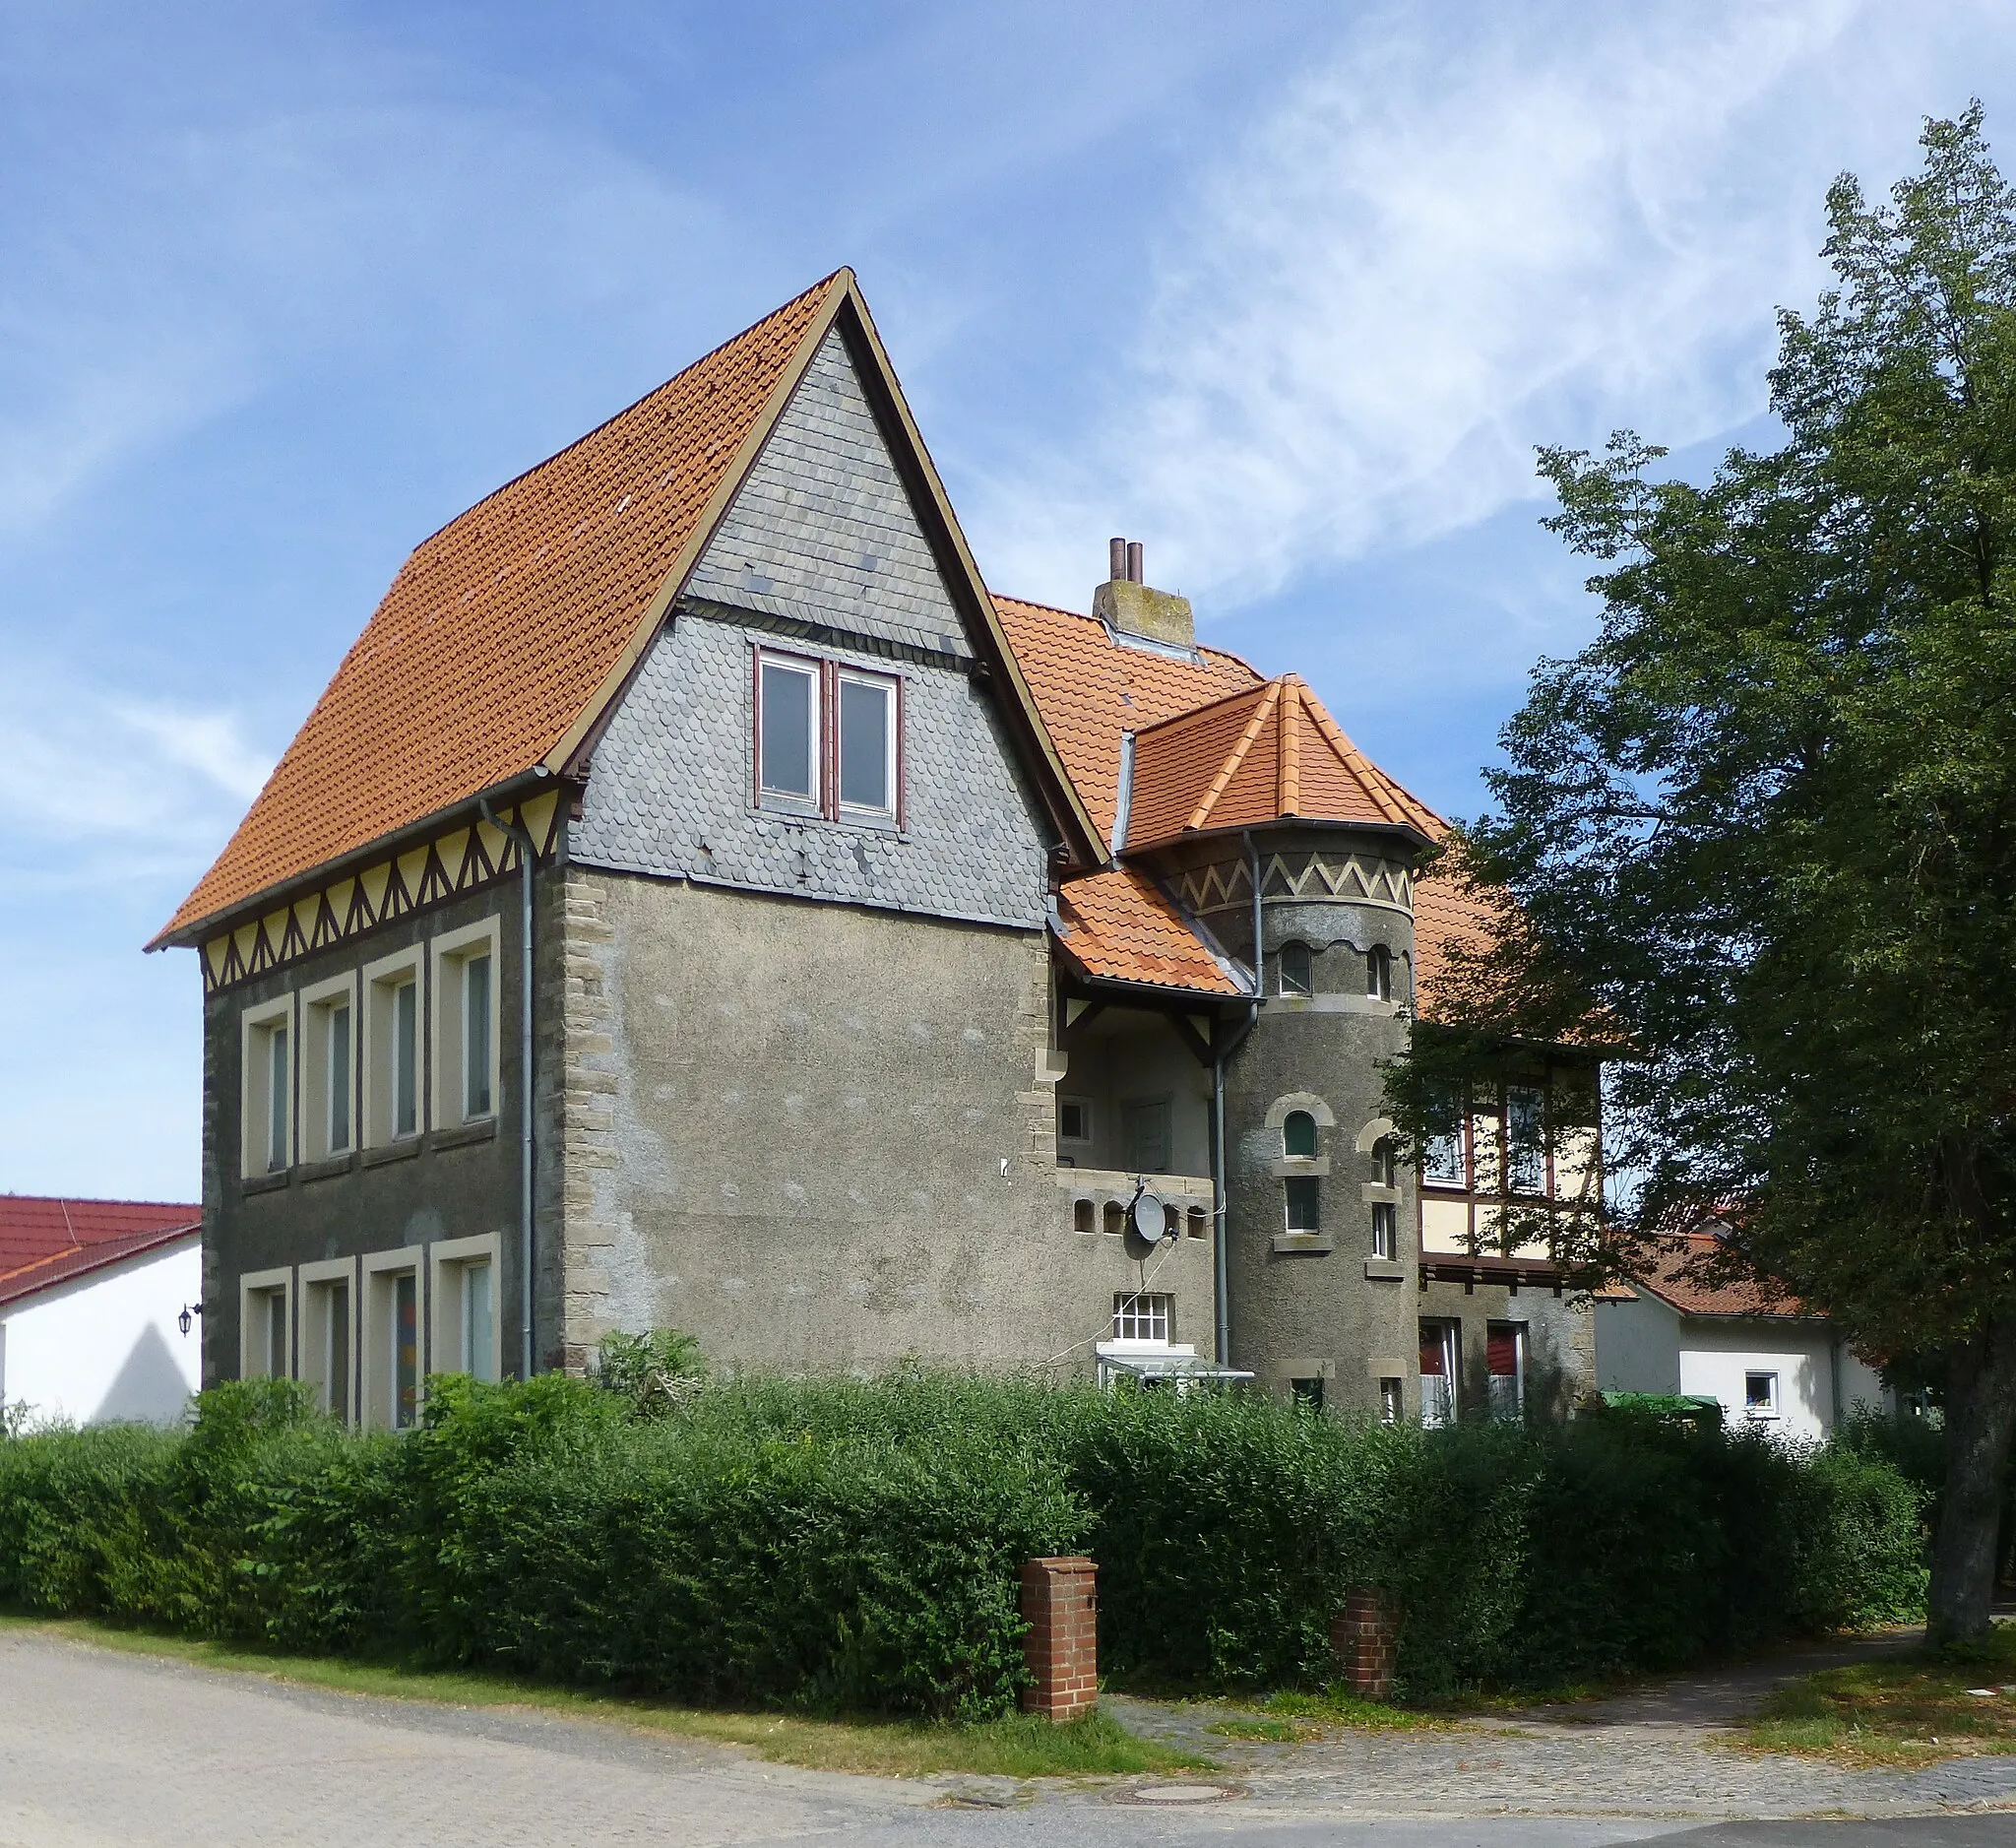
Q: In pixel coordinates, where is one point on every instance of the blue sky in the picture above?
(1288, 291)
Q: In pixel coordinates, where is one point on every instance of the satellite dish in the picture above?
(1148, 1219)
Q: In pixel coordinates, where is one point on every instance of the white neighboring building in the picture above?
(91, 1293)
(1767, 1361)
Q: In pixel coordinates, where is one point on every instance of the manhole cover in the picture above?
(1179, 1793)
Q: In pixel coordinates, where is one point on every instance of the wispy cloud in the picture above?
(1461, 233)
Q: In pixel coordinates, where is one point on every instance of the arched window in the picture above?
(1379, 973)
(1293, 963)
(1299, 1136)
(1386, 1163)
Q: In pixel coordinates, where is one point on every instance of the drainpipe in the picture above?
(1219, 1157)
(527, 855)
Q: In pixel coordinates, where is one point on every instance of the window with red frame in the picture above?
(829, 740)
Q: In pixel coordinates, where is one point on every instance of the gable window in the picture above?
(829, 740)
(1139, 1317)
(1379, 973)
(867, 744)
(1299, 1136)
(1526, 1153)
(1296, 972)
(1305, 1202)
(329, 1068)
(466, 1024)
(787, 729)
(267, 1133)
(392, 1049)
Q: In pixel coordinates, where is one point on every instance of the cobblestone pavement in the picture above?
(99, 1748)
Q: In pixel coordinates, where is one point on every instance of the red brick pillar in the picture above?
(1061, 1608)
(1365, 1635)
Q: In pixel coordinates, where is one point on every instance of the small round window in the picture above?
(1299, 1136)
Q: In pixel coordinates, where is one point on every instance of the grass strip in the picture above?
(1024, 1745)
(1898, 1710)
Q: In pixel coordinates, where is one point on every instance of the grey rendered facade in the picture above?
(796, 1074)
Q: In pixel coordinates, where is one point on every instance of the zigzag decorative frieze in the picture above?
(391, 888)
(1349, 878)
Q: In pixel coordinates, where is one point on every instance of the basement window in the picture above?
(1143, 1317)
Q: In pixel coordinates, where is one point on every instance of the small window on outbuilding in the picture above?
(1299, 1136)
(1760, 1395)
(1294, 966)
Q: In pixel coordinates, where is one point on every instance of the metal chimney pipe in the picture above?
(1116, 558)
(1134, 562)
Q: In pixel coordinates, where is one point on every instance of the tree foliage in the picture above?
(1762, 830)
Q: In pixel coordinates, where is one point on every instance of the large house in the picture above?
(698, 901)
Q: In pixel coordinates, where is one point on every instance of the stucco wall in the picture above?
(1643, 1346)
(820, 1136)
(106, 1345)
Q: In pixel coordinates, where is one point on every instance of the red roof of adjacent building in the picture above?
(46, 1241)
(1680, 1285)
(1120, 926)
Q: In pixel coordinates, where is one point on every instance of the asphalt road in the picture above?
(104, 1749)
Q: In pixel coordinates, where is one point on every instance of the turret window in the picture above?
(1304, 1201)
(1293, 963)
(1299, 1136)
(1379, 973)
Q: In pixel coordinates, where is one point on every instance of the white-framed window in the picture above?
(329, 1068)
(1385, 1229)
(829, 738)
(865, 735)
(266, 1325)
(1441, 1363)
(1293, 969)
(1445, 1161)
(1139, 1317)
(788, 757)
(392, 1048)
(328, 1334)
(464, 1296)
(1074, 1120)
(1389, 1401)
(1505, 1368)
(1526, 1144)
(1385, 1163)
(1379, 973)
(465, 1019)
(392, 1361)
(1145, 1135)
(267, 1057)
(1760, 1395)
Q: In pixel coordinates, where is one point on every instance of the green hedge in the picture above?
(856, 1545)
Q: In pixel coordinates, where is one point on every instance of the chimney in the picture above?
(1124, 602)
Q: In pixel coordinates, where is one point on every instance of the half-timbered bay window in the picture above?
(829, 740)
(1444, 1163)
(465, 1025)
(266, 1049)
(392, 1049)
(1526, 1149)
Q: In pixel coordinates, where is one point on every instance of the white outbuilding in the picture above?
(97, 1308)
(1766, 1358)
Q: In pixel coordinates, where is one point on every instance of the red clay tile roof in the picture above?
(46, 1241)
(1090, 688)
(501, 629)
(1119, 926)
(1680, 1287)
(1448, 919)
(1266, 753)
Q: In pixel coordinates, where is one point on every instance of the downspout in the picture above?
(1221, 1201)
(527, 855)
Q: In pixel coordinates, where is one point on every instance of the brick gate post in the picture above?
(1060, 1604)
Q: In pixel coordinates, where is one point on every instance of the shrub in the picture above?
(840, 1544)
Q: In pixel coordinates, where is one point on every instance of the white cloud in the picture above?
(1466, 231)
